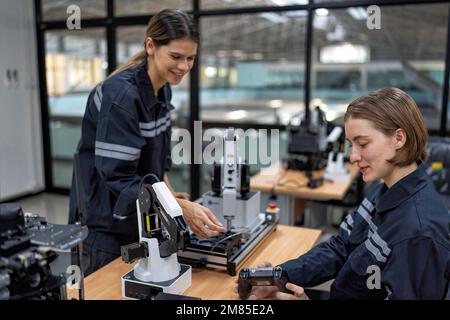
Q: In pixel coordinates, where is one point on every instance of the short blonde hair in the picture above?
(390, 109)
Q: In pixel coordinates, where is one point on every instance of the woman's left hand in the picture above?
(298, 293)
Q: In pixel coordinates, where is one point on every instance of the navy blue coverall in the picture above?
(395, 245)
(126, 133)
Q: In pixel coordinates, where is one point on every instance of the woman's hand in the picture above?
(298, 293)
(200, 219)
(262, 292)
(259, 292)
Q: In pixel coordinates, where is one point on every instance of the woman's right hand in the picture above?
(200, 219)
(259, 292)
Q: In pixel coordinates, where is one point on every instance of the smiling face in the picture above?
(371, 149)
(169, 63)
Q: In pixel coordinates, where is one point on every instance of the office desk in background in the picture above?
(283, 244)
(290, 185)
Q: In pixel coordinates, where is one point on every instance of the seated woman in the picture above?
(396, 244)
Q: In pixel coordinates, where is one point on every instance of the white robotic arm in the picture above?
(162, 232)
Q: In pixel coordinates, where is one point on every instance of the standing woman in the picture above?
(126, 134)
(396, 244)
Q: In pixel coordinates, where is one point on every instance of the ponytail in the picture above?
(135, 60)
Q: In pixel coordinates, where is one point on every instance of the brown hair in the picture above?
(163, 27)
(390, 109)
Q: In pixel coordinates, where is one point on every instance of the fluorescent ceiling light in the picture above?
(357, 13)
(344, 53)
(288, 2)
(322, 12)
(236, 115)
(275, 104)
(210, 72)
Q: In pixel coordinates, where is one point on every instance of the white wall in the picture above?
(21, 155)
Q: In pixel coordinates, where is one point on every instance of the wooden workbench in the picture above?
(293, 183)
(283, 244)
(292, 192)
